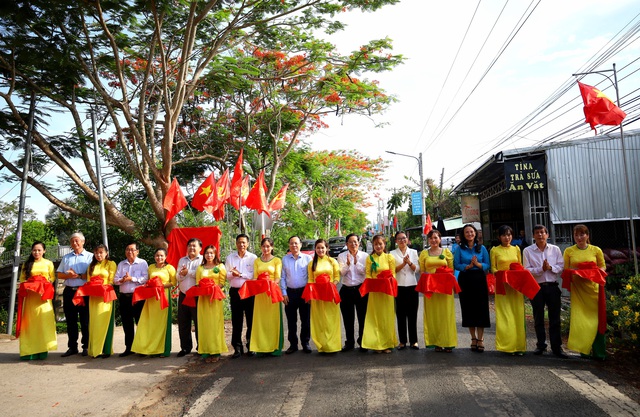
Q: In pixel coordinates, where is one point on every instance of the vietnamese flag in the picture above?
(174, 201)
(236, 184)
(278, 201)
(598, 108)
(337, 225)
(219, 197)
(395, 222)
(202, 194)
(428, 225)
(256, 200)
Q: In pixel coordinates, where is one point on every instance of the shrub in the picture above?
(623, 315)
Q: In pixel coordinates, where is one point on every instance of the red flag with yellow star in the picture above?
(217, 200)
(256, 200)
(428, 225)
(204, 191)
(174, 201)
(236, 184)
(598, 108)
(278, 201)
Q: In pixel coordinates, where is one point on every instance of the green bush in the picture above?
(623, 315)
(4, 321)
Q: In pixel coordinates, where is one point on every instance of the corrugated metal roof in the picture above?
(586, 180)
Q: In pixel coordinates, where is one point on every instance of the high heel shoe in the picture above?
(480, 345)
(474, 344)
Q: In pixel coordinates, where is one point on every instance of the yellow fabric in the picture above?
(267, 317)
(38, 332)
(151, 332)
(583, 324)
(439, 314)
(100, 312)
(429, 263)
(325, 315)
(511, 334)
(379, 323)
(211, 315)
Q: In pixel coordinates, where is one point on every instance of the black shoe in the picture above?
(69, 352)
(347, 348)
(539, 351)
(251, 353)
(85, 352)
(306, 348)
(560, 354)
(104, 356)
(125, 353)
(236, 354)
(363, 350)
(292, 349)
(182, 353)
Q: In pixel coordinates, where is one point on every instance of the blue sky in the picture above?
(557, 40)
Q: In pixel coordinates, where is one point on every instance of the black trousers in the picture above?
(239, 310)
(297, 304)
(186, 315)
(407, 303)
(352, 300)
(72, 313)
(129, 313)
(549, 294)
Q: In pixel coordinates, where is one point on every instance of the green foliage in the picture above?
(33, 230)
(623, 316)
(9, 219)
(4, 321)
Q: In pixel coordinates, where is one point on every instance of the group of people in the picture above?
(381, 289)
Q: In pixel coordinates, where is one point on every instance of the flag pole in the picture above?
(624, 162)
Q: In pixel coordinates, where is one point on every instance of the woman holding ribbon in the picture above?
(153, 335)
(321, 291)
(210, 278)
(585, 277)
(101, 295)
(267, 335)
(438, 283)
(380, 283)
(36, 324)
(512, 283)
(472, 260)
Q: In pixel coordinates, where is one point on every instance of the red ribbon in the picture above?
(38, 284)
(154, 288)
(259, 286)
(442, 281)
(385, 283)
(94, 288)
(590, 271)
(519, 279)
(323, 289)
(206, 286)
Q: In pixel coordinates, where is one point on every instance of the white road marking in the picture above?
(386, 393)
(491, 393)
(294, 400)
(608, 398)
(208, 397)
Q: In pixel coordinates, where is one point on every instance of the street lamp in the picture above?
(424, 214)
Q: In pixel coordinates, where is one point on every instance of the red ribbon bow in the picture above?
(323, 289)
(206, 286)
(38, 284)
(385, 283)
(154, 288)
(263, 284)
(94, 288)
(442, 281)
(519, 279)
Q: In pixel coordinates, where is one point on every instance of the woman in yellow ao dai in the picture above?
(325, 315)
(439, 317)
(379, 323)
(101, 314)
(211, 340)
(267, 334)
(511, 335)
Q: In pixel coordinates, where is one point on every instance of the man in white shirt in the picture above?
(131, 273)
(239, 266)
(545, 263)
(352, 272)
(186, 274)
(293, 280)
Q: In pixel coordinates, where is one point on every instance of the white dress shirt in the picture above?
(406, 277)
(187, 281)
(534, 258)
(354, 273)
(138, 270)
(244, 265)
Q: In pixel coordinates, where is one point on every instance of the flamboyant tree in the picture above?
(139, 65)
